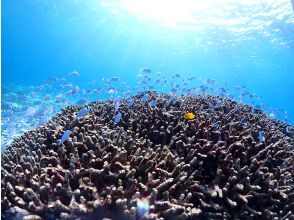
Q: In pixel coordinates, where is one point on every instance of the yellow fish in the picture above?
(189, 115)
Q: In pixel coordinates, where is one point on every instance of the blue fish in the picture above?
(174, 100)
(131, 102)
(117, 104)
(64, 137)
(261, 136)
(241, 122)
(218, 104)
(83, 112)
(145, 97)
(117, 118)
(153, 103)
(174, 89)
(203, 88)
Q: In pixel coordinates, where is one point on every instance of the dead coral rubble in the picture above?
(211, 167)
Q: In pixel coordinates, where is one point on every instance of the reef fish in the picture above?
(74, 73)
(261, 136)
(117, 118)
(145, 70)
(111, 91)
(174, 100)
(153, 103)
(47, 97)
(64, 137)
(30, 112)
(145, 97)
(83, 112)
(131, 102)
(189, 116)
(114, 79)
(218, 104)
(117, 104)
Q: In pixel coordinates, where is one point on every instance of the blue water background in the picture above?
(99, 39)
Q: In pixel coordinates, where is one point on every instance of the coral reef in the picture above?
(211, 167)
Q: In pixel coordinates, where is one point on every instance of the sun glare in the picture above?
(169, 10)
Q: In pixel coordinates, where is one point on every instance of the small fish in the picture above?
(39, 112)
(139, 75)
(64, 137)
(145, 70)
(67, 86)
(83, 112)
(73, 91)
(210, 81)
(74, 73)
(128, 92)
(272, 115)
(51, 80)
(153, 103)
(216, 125)
(176, 75)
(117, 104)
(117, 118)
(59, 97)
(203, 88)
(173, 90)
(174, 100)
(43, 119)
(30, 112)
(113, 79)
(241, 122)
(111, 91)
(131, 102)
(218, 104)
(223, 90)
(7, 113)
(237, 107)
(143, 207)
(261, 136)
(145, 97)
(47, 97)
(189, 116)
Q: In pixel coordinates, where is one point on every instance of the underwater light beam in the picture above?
(169, 11)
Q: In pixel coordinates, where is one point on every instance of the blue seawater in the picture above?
(241, 49)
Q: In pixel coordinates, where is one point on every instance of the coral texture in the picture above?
(211, 167)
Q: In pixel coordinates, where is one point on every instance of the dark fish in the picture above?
(145, 70)
(113, 79)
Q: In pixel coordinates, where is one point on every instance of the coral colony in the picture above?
(152, 156)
